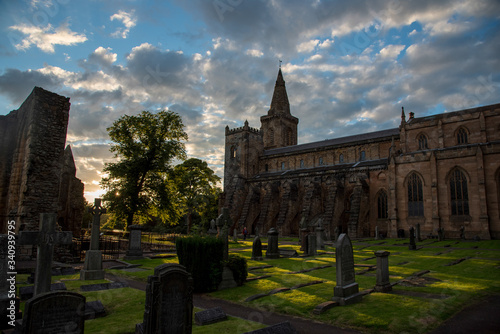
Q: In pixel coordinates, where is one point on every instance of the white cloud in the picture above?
(391, 51)
(128, 20)
(255, 53)
(45, 38)
(307, 46)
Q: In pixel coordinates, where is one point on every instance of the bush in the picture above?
(238, 266)
(202, 258)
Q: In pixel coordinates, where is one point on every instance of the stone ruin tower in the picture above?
(37, 173)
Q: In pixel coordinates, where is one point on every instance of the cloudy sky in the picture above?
(349, 66)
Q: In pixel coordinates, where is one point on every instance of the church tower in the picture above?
(279, 127)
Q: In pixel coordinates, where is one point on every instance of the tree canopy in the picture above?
(139, 183)
(196, 185)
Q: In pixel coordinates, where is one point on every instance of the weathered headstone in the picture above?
(412, 245)
(92, 267)
(320, 243)
(272, 251)
(303, 239)
(311, 244)
(212, 230)
(462, 232)
(9, 303)
(257, 249)
(94, 310)
(54, 312)
(223, 223)
(418, 237)
(376, 233)
(210, 316)
(440, 234)
(347, 290)
(169, 301)
(383, 284)
(134, 251)
(45, 240)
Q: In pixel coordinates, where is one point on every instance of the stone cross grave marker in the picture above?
(92, 267)
(272, 251)
(54, 312)
(134, 251)
(383, 284)
(223, 223)
(257, 249)
(412, 245)
(169, 301)
(45, 240)
(8, 312)
(347, 290)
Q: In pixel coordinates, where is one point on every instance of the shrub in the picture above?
(238, 266)
(202, 257)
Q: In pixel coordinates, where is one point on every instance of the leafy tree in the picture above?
(196, 186)
(138, 184)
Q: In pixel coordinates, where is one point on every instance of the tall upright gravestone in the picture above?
(134, 251)
(169, 301)
(45, 240)
(223, 222)
(92, 268)
(347, 290)
(272, 251)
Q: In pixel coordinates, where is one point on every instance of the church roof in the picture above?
(343, 141)
(279, 102)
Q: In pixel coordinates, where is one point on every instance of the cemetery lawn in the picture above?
(417, 304)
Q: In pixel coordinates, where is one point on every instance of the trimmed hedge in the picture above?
(238, 266)
(202, 258)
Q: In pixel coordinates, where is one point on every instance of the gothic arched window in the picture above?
(462, 136)
(459, 195)
(382, 205)
(415, 196)
(422, 142)
(341, 158)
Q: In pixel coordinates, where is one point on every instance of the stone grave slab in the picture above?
(54, 312)
(27, 292)
(94, 310)
(210, 316)
(288, 253)
(169, 301)
(281, 328)
(103, 286)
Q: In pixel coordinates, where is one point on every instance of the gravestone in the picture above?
(54, 312)
(223, 223)
(169, 301)
(45, 240)
(272, 251)
(376, 233)
(401, 233)
(311, 245)
(257, 249)
(462, 232)
(94, 310)
(347, 290)
(418, 237)
(412, 245)
(303, 240)
(9, 303)
(383, 284)
(103, 286)
(212, 230)
(210, 316)
(134, 251)
(92, 267)
(440, 234)
(320, 243)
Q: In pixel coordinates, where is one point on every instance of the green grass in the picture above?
(462, 284)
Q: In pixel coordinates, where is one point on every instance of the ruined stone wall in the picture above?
(32, 158)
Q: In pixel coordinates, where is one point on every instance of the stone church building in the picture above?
(440, 171)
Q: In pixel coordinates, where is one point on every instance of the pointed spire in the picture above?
(279, 102)
(403, 116)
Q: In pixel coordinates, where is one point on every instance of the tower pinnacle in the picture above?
(279, 102)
